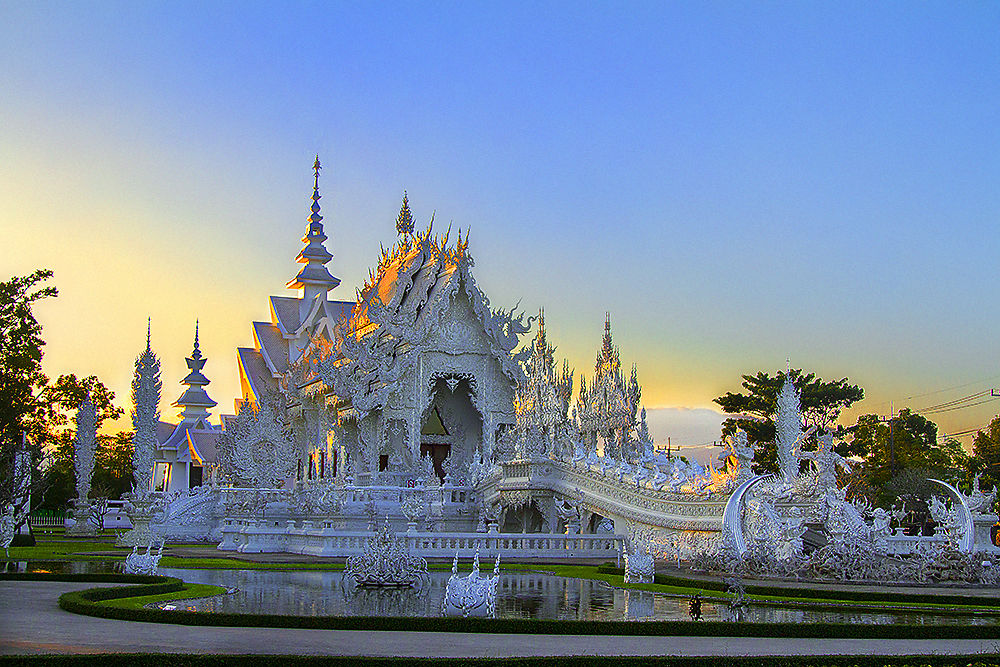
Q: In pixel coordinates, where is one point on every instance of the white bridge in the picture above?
(630, 503)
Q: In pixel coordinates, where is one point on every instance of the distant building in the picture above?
(185, 451)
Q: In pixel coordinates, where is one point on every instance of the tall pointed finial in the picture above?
(194, 402)
(149, 327)
(314, 276)
(316, 218)
(197, 351)
(404, 223)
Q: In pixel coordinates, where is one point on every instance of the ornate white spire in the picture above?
(146, 387)
(195, 402)
(314, 278)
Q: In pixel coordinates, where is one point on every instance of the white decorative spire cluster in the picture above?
(146, 387)
(608, 408)
(84, 445)
(195, 401)
(314, 278)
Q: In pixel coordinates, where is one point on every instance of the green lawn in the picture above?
(190, 591)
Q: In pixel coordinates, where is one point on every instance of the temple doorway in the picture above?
(451, 430)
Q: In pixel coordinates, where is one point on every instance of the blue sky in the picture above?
(738, 183)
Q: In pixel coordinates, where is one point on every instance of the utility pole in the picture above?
(892, 440)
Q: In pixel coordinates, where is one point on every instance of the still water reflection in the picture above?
(519, 595)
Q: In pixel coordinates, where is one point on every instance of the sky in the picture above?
(738, 184)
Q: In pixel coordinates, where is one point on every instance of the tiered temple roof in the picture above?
(193, 438)
(295, 320)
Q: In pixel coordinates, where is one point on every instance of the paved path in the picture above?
(32, 622)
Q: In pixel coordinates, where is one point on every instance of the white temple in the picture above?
(419, 404)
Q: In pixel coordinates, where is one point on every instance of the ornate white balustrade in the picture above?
(321, 538)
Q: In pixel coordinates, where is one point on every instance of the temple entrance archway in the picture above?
(451, 428)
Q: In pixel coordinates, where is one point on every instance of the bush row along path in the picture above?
(31, 622)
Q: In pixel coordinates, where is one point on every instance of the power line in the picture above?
(956, 401)
(960, 386)
(941, 391)
(960, 407)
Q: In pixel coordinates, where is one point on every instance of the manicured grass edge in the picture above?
(791, 593)
(84, 602)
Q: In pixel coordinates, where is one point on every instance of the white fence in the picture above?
(275, 536)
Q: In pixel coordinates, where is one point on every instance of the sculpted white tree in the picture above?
(788, 424)
(146, 387)
(83, 447)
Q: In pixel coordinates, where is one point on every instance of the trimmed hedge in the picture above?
(180, 660)
(84, 602)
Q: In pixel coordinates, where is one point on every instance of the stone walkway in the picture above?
(31, 622)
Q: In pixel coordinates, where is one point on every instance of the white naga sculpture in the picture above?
(386, 562)
(474, 595)
(143, 563)
(83, 459)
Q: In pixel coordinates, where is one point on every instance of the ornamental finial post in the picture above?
(315, 218)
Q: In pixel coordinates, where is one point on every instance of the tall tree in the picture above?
(21, 377)
(900, 450)
(49, 424)
(985, 460)
(113, 469)
(754, 409)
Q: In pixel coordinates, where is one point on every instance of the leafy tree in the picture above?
(754, 409)
(900, 450)
(33, 409)
(21, 377)
(50, 424)
(985, 459)
(113, 467)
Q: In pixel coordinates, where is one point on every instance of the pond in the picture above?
(519, 595)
